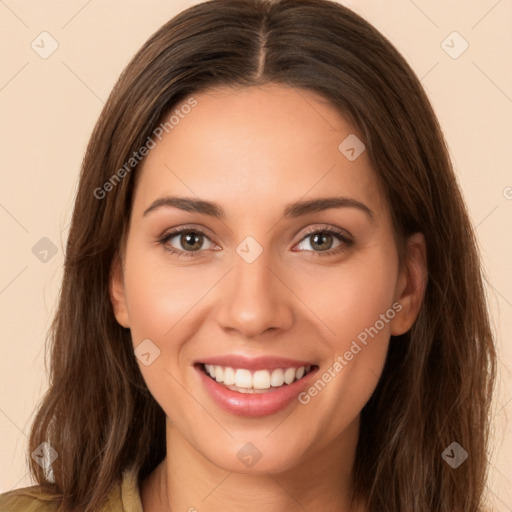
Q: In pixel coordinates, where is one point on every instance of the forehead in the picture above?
(254, 148)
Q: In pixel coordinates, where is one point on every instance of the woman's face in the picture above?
(259, 283)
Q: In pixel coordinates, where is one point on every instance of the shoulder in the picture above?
(29, 499)
(124, 495)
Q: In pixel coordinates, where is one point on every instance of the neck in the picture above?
(187, 481)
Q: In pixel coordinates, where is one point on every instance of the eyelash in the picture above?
(346, 242)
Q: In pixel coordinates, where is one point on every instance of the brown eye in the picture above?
(191, 240)
(185, 241)
(322, 240)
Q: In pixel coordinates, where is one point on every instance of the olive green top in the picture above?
(124, 497)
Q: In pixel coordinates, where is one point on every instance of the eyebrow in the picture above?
(291, 210)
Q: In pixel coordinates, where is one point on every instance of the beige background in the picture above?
(49, 106)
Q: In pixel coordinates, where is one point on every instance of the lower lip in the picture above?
(254, 404)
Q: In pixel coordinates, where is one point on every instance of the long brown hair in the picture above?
(438, 378)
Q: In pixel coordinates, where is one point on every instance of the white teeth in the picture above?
(257, 381)
(261, 379)
(289, 375)
(277, 378)
(229, 376)
(243, 379)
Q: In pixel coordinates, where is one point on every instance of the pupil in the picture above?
(322, 236)
(189, 237)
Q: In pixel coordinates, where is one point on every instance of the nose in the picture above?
(254, 299)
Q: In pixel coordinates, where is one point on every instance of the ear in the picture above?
(117, 292)
(411, 285)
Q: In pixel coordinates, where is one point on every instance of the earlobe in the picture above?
(117, 293)
(411, 285)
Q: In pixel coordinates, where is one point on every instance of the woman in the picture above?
(208, 352)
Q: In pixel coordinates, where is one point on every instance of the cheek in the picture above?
(350, 297)
(359, 309)
(159, 299)
(159, 295)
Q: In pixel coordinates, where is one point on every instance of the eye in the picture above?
(188, 241)
(322, 239)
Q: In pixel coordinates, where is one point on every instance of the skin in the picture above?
(253, 151)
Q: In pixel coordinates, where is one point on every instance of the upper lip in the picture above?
(254, 363)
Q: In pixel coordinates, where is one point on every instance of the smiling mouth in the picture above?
(259, 381)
